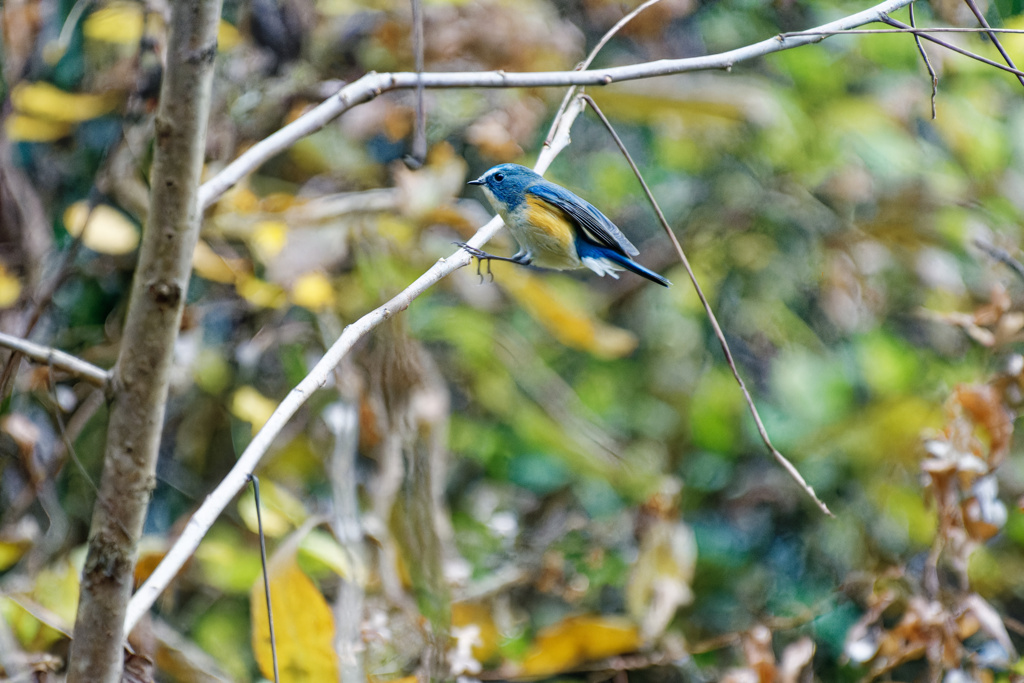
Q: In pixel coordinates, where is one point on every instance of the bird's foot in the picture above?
(480, 255)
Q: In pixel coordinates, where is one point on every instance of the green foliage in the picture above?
(830, 222)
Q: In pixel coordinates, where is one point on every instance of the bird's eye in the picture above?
(499, 177)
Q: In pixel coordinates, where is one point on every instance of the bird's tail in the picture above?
(633, 266)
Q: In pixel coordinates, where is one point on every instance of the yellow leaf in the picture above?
(11, 551)
(123, 23)
(210, 265)
(281, 512)
(151, 551)
(259, 292)
(56, 588)
(661, 579)
(10, 288)
(251, 406)
(576, 640)
(21, 128)
(303, 626)
(324, 548)
(313, 291)
(228, 36)
(239, 199)
(478, 614)
(570, 324)
(47, 101)
(268, 239)
(118, 22)
(106, 230)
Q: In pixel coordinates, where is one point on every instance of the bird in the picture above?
(555, 228)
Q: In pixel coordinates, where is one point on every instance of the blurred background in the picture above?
(603, 504)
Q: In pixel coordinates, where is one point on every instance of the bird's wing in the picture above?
(595, 225)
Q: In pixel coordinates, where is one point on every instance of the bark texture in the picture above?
(140, 377)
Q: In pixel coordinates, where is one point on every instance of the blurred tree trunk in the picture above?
(151, 328)
(410, 401)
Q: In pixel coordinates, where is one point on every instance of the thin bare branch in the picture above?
(582, 66)
(927, 62)
(373, 84)
(992, 36)
(890, 31)
(58, 359)
(1001, 255)
(418, 153)
(779, 457)
(949, 46)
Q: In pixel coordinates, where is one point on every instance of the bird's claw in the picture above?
(480, 257)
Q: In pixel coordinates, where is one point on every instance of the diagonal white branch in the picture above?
(361, 91)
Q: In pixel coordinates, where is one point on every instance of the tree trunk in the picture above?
(154, 314)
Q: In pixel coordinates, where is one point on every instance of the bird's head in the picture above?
(505, 185)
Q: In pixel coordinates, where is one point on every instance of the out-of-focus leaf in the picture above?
(228, 36)
(573, 641)
(478, 614)
(106, 230)
(56, 588)
(22, 128)
(268, 239)
(31, 628)
(211, 371)
(661, 579)
(249, 405)
(437, 183)
(281, 511)
(797, 658)
(16, 539)
(151, 551)
(214, 267)
(123, 23)
(229, 562)
(303, 624)
(908, 510)
(314, 291)
(324, 548)
(117, 22)
(260, 292)
(47, 101)
(569, 323)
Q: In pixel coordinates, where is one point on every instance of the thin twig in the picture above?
(991, 35)
(42, 302)
(266, 574)
(779, 457)
(418, 154)
(66, 439)
(909, 29)
(372, 85)
(949, 46)
(571, 92)
(927, 62)
(59, 359)
(1001, 255)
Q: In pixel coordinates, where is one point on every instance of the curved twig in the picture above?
(779, 457)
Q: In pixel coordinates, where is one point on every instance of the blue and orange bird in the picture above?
(555, 228)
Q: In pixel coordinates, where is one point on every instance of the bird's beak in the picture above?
(478, 181)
